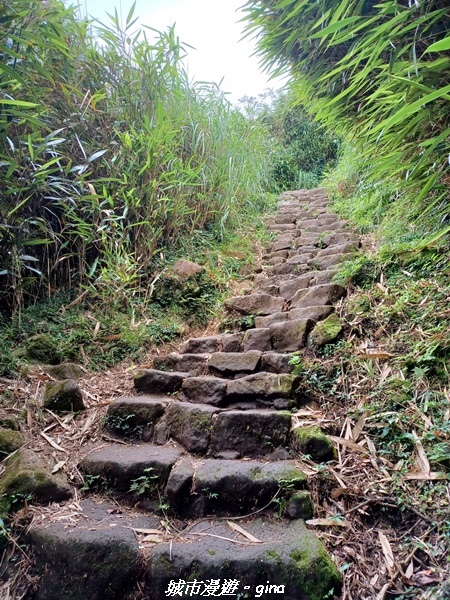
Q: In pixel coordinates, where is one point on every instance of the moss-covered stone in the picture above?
(27, 479)
(65, 371)
(10, 441)
(358, 305)
(63, 396)
(326, 331)
(42, 348)
(299, 506)
(312, 441)
(9, 423)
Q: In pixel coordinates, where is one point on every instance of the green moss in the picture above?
(10, 441)
(42, 348)
(326, 331)
(312, 441)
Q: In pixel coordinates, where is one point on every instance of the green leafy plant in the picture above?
(146, 484)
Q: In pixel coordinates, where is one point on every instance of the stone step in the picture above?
(287, 560)
(124, 467)
(199, 488)
(199, 426)
(226, 342)
(95, 551)
(194, 364)
(258, 389)
(254, 304)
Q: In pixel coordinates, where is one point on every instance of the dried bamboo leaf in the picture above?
(387, 551)
(52, 443)
(324, 522)
(243, 532)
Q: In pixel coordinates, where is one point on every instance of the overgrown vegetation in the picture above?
(377, 73)
(109, 155)
(300, 148)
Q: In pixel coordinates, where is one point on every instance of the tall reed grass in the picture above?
(109, 153)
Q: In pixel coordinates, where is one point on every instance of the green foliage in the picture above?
(377, 72)
(300, 148)
(146, 484)
(108, 154)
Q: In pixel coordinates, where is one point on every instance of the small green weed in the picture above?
(146, 484)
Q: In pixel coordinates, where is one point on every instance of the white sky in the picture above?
(212, 28)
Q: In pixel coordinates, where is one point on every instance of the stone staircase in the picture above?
(205, 457)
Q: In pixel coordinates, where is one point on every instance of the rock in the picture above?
(287, 269)
(290, 558)
(264, 322)
(93, 554)
(358, 305)
(341, 238)
(228, 342)
(301, 258)
(262, 386)
(9, 423)
(283, 218)
(191, 424)
(272, 362)
(257, 339)
(183, 269)
(65, 371)
(289, 288)
(318, 295)
(26, 478)
(276, 260)
(196, 364)
(63, 396)
(227, 487)
(326, 331)
(255, 304)
(315, 313)
(136, 417)
(299, 506)
(312, 441)
(229, 363)
(345, 248)
(120, 467)
(325, 262)
(205, 390)
(10, 441)
(252, 433)
(152, 381)
(42, 348)
(291, 335)
(283, 242)
(322, 277)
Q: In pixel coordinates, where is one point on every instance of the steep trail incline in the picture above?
(204, 491)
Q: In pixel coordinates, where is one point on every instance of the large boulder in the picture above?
(63, 396)
(26, 479)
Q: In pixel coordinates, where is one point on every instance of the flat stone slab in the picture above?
(188, 363)
(205, 390)
(191, 425)
(319, 295)
(255, 304)
(325, 262)
(152, 381)
(290, 336)
(287, 289)
(273, 362)
(341, 238)
(196, 489)
(137, 416)
(118, 465)
(257, 339)
(227, 342)
(283, 242)
(90, 552)
(262, 386)
(289, 558)
(229, 363)
(250, 433)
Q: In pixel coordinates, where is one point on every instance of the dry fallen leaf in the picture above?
(52, 442)
(387, 551)
(243, 532)
(327, 522)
